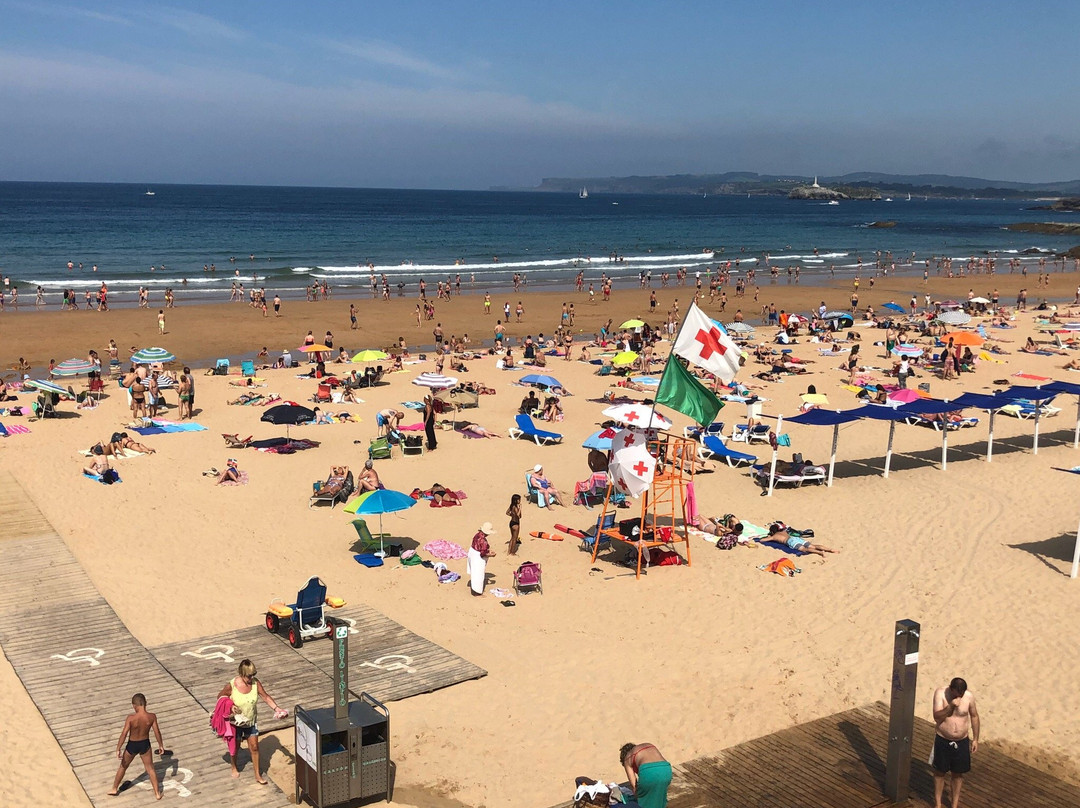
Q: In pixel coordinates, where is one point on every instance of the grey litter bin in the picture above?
(339, 760)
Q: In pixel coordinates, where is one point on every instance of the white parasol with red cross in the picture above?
(639, 416)
(631, 467)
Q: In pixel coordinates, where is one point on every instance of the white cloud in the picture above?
(192, 23)
(65, 11)
(386, 54)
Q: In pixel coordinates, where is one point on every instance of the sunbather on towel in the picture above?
(97, 468)
(231, 473)
(780, 532)
(468, 427)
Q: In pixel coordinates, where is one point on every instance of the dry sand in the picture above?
(692, 659)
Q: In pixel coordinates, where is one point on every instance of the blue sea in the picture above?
(166, 237)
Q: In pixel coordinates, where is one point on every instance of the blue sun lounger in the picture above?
(713, 447)
(527, 429)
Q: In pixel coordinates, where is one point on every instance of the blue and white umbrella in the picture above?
(542, 379)
(46, 386)
(148, 356)
(894, 307)
(907, 350)
(739, 328)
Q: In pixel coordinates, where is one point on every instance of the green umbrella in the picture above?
(632, 324)
(624, 358)
(370, 355)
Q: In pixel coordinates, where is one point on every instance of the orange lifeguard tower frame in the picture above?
(662, 505)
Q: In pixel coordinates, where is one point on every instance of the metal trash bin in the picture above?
(343, 759)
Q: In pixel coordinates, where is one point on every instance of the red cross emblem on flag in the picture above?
(710, 342)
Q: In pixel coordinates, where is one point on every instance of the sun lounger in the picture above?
(320, 494)
(815, 474)
(235, 441)
(936, 423)
(527, 429)
(697, 432)
(1024, 409)
(745, 434)
(713, 447)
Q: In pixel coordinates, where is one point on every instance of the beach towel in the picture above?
(98, 478)
(242, 480)
(126, 453)
(782, 566)
(781, 546)
(413, 405)
(691, 503)
(441, 548)
(148, 430)
(476, 567)
(1032, 377)
(14, 429)
(445, 575)
(368, 560)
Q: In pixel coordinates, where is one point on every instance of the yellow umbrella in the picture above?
(370, 355)
(624, 358)
(632, 324)
(317, 347)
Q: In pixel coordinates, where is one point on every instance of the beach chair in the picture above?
(411, 443)
(590, 537)
(234, 441)
(380, 449)
(306, 618)
(696, 432)
(535, 494)
(221, 367)
(368, 542)
(527, 429)
(528, 577)
(247, 367)
(97, 387)
(816, 474)
(323, 394)
(605, 370)
(318, 495)
(746, 434)
(713, 447)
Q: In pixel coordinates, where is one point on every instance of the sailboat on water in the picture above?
(909, 197)
(584, 194)
(149, 192)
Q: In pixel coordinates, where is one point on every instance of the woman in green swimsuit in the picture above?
(648, 772)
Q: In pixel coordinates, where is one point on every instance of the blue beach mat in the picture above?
(778, 545)
(368, 560)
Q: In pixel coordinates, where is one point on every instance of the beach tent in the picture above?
(833, 418)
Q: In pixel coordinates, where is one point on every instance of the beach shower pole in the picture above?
(944, 444)
(832, 457)
(1035, 438)
(905, 673)
(888, 451)
(990, 438)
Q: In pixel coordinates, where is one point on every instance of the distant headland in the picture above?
(858, 185)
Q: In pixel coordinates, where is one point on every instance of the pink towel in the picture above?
(691, 503)
(441, 548)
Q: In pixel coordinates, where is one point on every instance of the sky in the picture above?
(477, 94)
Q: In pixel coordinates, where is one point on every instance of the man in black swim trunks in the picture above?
(137, 732)
(955, 715)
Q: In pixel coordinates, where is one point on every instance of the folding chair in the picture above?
(247, 367)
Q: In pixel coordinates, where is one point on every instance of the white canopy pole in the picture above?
(1035, 439)
(990, 438)
(832, 458)
(888, 451)
(944, 444)
(1076, 434)
(772, 467)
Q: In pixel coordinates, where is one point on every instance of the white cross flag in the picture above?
(702, 343)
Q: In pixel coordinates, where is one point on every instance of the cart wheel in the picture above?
(271, 623)
(295, 640)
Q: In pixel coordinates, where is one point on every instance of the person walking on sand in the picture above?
(136, 731)
(244, 691)
(956, 716)
(429, 423)
(161, 321)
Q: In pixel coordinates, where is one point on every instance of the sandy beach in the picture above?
(694, 659)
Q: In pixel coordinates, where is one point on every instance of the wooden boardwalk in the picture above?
(839, 762)
(385, 659)
(81, 665)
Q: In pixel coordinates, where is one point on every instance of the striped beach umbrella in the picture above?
(907, 350)
(46, 386)
(954, 318)
(73, 367)
(739, 328)
(148, 356)
(436, 381)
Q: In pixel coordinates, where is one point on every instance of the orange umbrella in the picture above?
(963, 338)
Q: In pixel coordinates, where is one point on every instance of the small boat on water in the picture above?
(832, 202)
(909, 197)
(149, 192)
(584, 193)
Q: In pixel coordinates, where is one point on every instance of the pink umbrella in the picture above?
(904, 396)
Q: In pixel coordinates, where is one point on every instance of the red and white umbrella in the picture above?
(632, 467)
(435, 381)
(639, 416)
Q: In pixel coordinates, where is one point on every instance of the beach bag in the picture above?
(109, 476)
(727, 541)
(782, 566)
(659, 557)
(783, 440)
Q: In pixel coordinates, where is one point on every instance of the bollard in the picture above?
(905, 673)
(341, 672)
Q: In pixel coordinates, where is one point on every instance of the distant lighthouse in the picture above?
(815, 185)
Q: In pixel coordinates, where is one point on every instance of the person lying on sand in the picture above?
(781, 533)
(475, 429)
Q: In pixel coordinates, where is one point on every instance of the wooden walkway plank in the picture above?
(80, 665)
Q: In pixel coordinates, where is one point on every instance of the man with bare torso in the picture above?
(136, 732)
(956, 716)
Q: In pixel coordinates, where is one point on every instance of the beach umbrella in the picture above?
(954, 318)
(836, 315)
(907, 350)
(148, 356)
(894, 307)
(379, 502)
(739, 328)
(436, 381)
(541, 379)
(632, 324)
(47, 387)
(904, 396)
(641, 416)
(600, 440)
(317, 347)
(370, 355)
(624, 358)
(949, 304)
(979, 300)
(963, 338)
(288, 415)
(73, 367)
